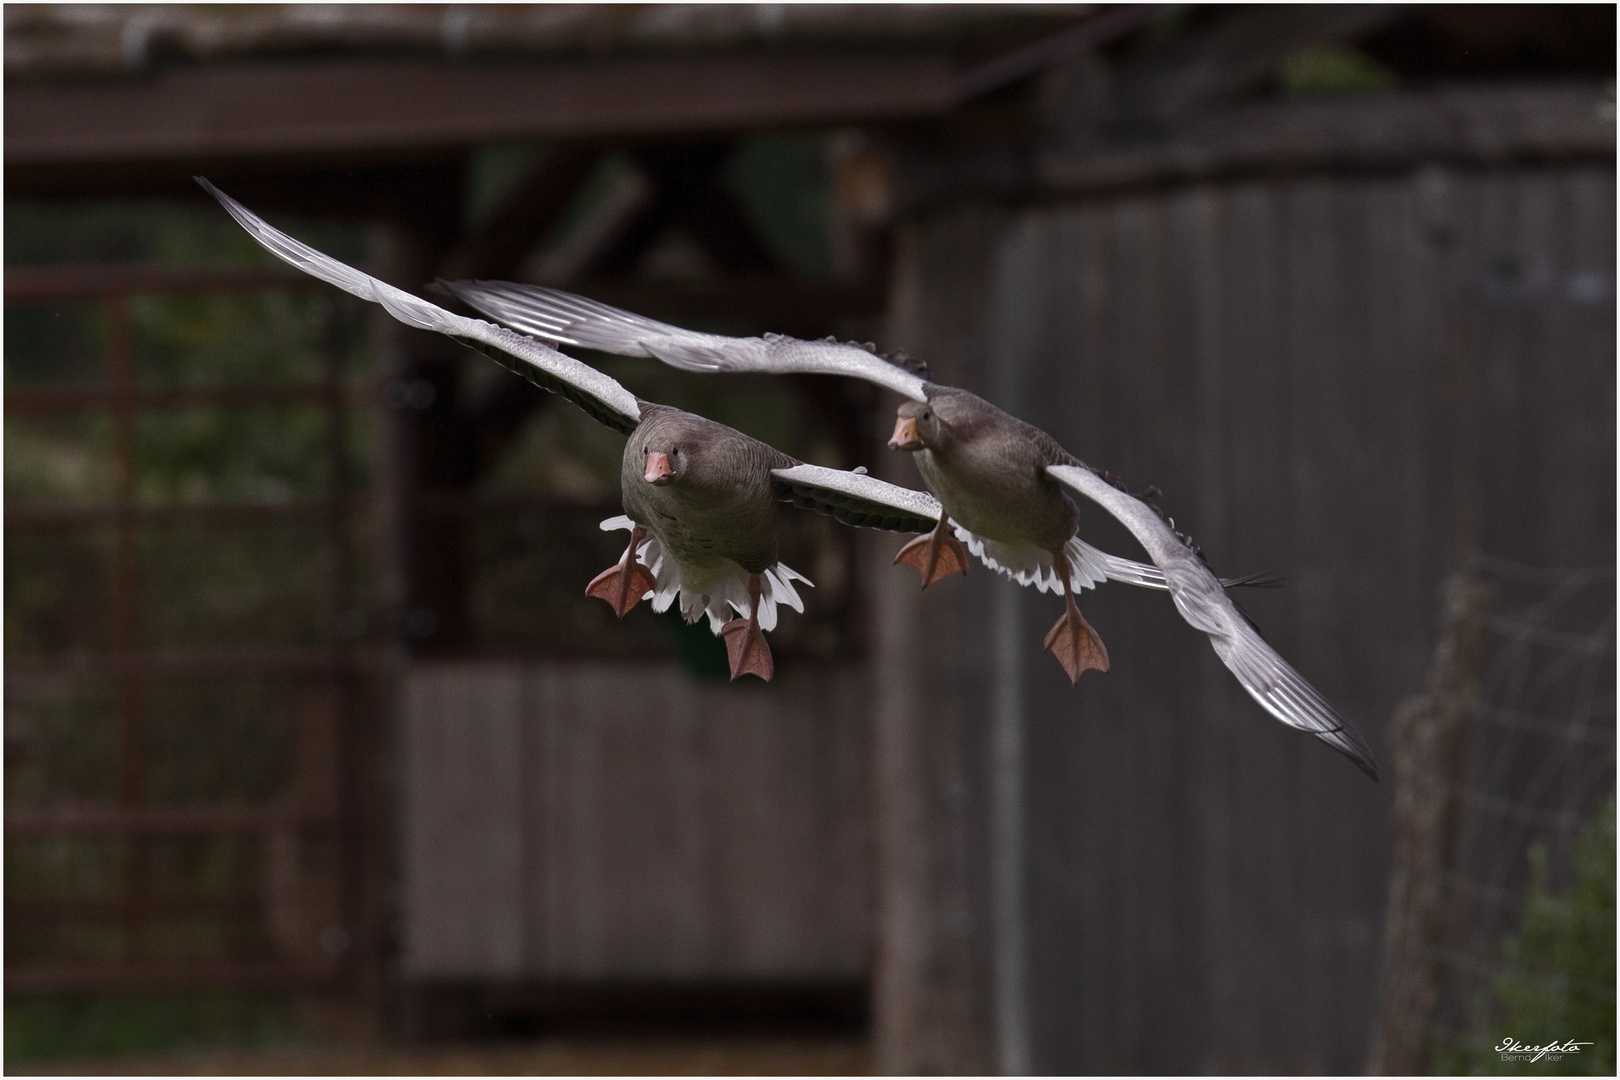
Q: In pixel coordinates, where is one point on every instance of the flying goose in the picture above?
(1000, 481)
(700, 498)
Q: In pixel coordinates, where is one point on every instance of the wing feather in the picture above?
(599, 395)
(575, 320)
(1202, 601)
(857, 499)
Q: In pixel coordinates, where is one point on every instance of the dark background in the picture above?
(311, 735)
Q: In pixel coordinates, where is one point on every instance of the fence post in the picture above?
(1427, 738)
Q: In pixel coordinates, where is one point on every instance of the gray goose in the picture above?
(1003, 485)
(700, 498)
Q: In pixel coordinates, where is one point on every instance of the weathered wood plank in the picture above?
(463, 738)
(1489, 126)
(250, 109)
(1292, 363)
(1203, 886)
(1202, 297)
(932, 965)
(647, 826)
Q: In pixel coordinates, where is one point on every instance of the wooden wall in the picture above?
(1353, 380)
(611, 822)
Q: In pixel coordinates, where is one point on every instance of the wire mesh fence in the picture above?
(194, 620)
(1504, 776)
(181, 524)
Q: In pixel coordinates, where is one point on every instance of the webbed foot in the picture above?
(936, 555)
(624, 585)
(1076, 645)
(747, 650)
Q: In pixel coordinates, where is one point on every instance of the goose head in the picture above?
(690, 454)
(668, 464)
(918, 426)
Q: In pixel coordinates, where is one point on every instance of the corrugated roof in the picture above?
(50, 40)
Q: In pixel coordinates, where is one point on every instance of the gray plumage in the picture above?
(569, 319)
(995, 475)
(988, 469)
(603, 398)
(858, 499)
(574, 320)
(723, 503)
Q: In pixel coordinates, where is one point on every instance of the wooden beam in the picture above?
(371, 186)
(95, 281)
(311, 107)
(80, 978)
(619, 233)
(1239, 50)
(72, 397)
(1369, 133)
(1055, 50)
(495, 417)
(62, 820)
(313, 661)
(526, 215)
(688, 179)
(605, 227)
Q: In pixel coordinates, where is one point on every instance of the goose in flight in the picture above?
(700, 498)
(1004, 485)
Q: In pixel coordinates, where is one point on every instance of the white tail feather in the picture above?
(1028, 564)
(712, 594)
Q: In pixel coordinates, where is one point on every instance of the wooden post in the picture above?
(932, 980)
(1427, 737)
(399, 256)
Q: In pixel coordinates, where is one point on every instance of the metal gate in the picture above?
(186, 674)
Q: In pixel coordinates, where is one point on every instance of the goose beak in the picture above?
(659, 470)
(905, 435)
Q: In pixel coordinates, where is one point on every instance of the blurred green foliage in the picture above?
(153, 232)
(263, 581)
(1557, 981)
(59, 457)
(493, 173)
(783, 180)
(1333, 69)
(202, 583)
(40, 1027)
(56, 342)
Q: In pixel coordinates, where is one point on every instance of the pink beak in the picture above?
(658, 469)
(905, 435)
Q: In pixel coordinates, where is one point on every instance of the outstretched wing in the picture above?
(857, 499)
(574, 320)
(600, 396)
(1279, 689)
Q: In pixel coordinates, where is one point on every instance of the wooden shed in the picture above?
(1350, 341)
(1338, 281)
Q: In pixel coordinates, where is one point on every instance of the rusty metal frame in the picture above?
(129, 666)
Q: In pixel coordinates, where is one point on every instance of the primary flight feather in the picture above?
(1001, 482)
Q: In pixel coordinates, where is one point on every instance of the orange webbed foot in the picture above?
(1076, 645)
(747, 650)
(622, 586)
(935, 556)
